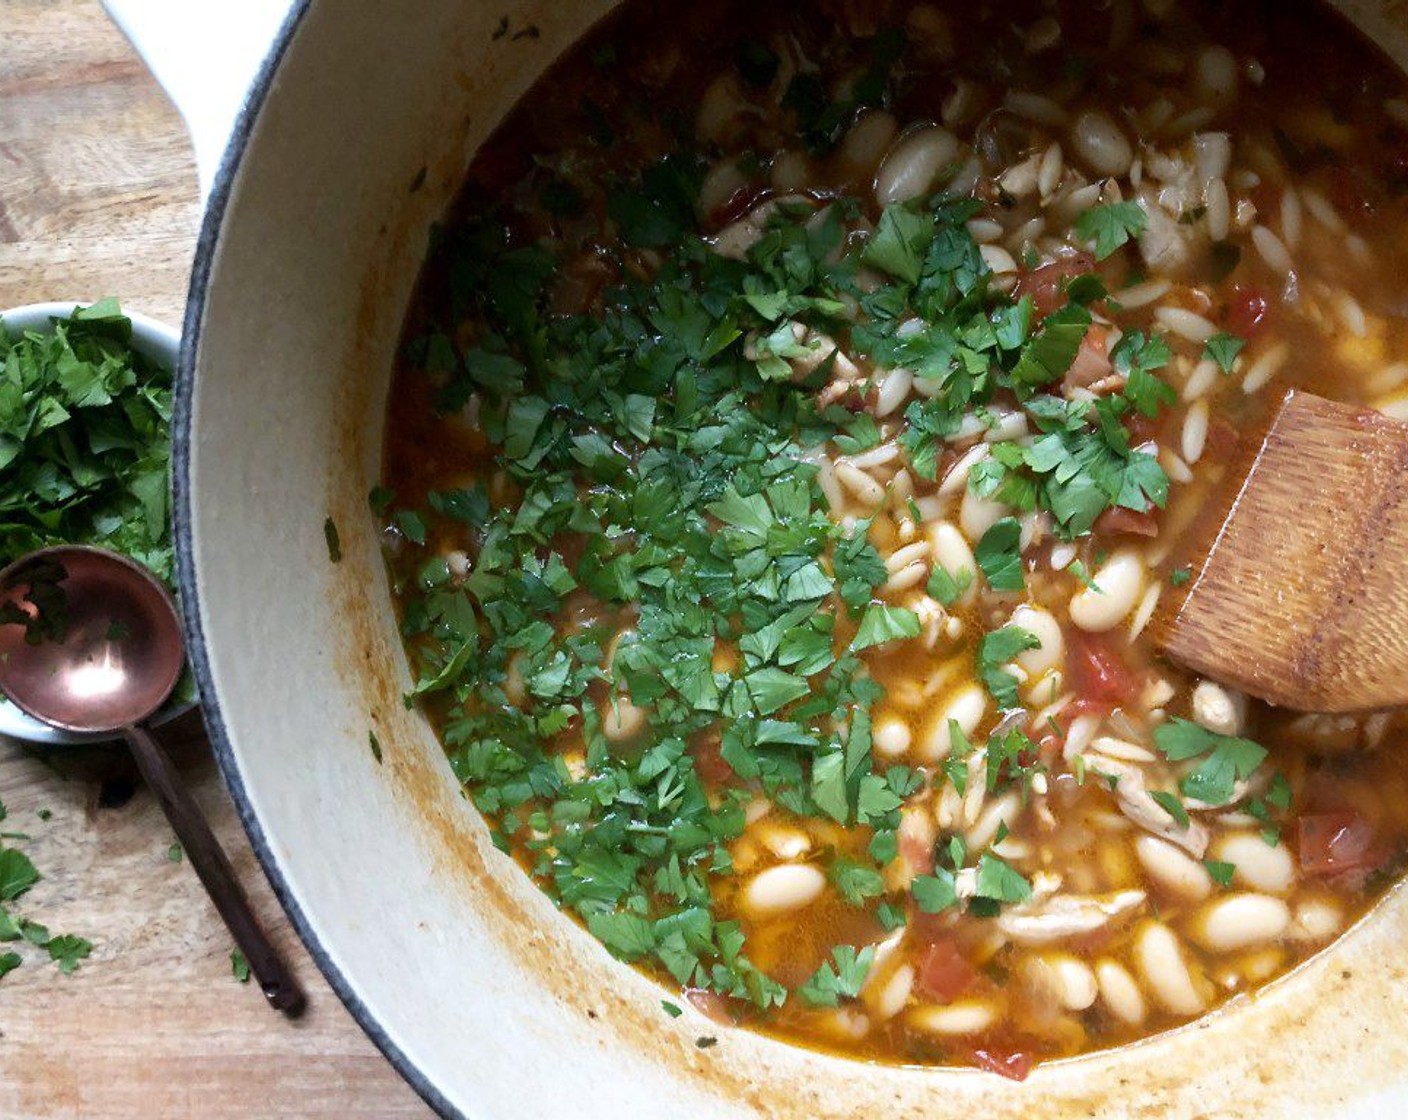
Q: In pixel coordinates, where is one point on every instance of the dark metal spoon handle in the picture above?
(206, 856)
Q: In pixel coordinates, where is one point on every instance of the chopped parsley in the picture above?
(1225, 759)
(839, 978)
(1223, 349)
(85, 444)
(334, 543)
(997, 650)
(1111, 226)
(1220, 871)
(661, 454)
(999, 555)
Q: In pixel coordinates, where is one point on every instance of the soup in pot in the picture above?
(802, 417)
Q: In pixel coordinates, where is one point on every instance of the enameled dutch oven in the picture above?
(350, 144)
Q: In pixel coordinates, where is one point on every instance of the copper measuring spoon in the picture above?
(90, 641)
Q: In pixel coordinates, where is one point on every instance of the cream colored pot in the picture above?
(490, 1002)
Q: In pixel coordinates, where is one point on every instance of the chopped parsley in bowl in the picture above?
(85, 447)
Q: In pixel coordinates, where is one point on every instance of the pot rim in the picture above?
(207, 247)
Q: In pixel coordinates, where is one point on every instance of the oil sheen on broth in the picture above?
(793, 440)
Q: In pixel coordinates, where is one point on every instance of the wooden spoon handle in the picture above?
(207, 857)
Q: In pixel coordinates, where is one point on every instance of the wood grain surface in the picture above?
(98, 197)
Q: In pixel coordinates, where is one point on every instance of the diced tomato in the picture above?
(711, 1004)
(1046, 285)
(1221, 442)
(1117, 521)
(944, 973)
(1247, 311)
(1013, 1064)
(1092, 363)
(1335, 842)
(917, 851)
(709, 764)
(1141, 428)
(1096, 671)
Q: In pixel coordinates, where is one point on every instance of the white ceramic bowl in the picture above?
(153, 340)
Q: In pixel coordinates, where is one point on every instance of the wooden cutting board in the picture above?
(98, 197)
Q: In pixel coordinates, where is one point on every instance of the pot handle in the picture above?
(205, 54)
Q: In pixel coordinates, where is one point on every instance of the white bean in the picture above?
(1215, 76)
(1120, 993)
(965, 706)
(784, 842)
(1036, 108)
(953, 553)
(891, 737)
(864, 145)
(999, 261)
(913, 164)
(788, 886)
(1317, 919)
(1220, 710)
(719, 109)
(977, 515)
(964, 1017)
(1158, 954)
(1120, 581)
(1042, 625)
(1257, 864)
(791, 171)
(1101, 144)
(723, 182)
(620, 719)
(1173, 869)
(1239, 921)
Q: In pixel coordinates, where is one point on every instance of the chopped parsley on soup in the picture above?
(797, 425)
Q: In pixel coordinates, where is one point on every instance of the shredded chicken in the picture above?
(1067, 915)
(1136, 803)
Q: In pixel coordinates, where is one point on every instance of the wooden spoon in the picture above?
(1302, 599)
